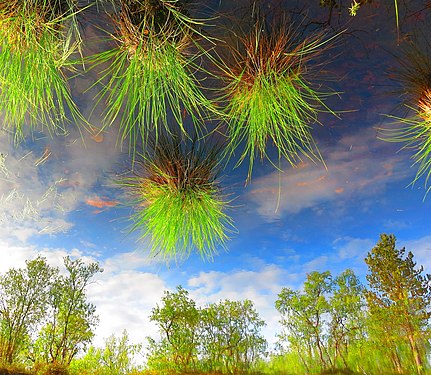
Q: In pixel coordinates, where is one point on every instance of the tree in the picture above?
(347, 315)
(303, 316)
(24, 297)
(72, 317)
(399, 298)
(178, 320)
(117, 356)
(231, 339)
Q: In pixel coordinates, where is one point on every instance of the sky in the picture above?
(57, 195)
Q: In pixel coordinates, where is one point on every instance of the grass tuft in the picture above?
(178, 203)
(152, 69)
(269, 96)
(414, 128)
(37, 39)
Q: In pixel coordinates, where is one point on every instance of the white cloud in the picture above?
(124, 300)
(348, 247)
(353, 172)
(421, 249)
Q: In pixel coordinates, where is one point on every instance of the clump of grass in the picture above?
(270, 97)
(414, 128)
(178, 202)
(37, 38)
(151, 72)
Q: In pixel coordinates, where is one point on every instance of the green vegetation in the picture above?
(222, 337)
(269, 96)
(414, 128)
(329, 325)
(152, 69)
(340, 325)
(45, 319)
(38, 38)
(179, 204)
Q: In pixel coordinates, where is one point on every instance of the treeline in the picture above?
(332, 324)
(337, 324)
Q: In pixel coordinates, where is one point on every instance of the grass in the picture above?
(37, 39)
(178, 203)
(151, 72)
(269, 96)
(415, 134)
(414, 128)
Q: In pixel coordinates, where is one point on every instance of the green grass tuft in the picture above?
(415, 134)
(413, 130)
(270, 98)
(178, 203)
(152, 70)
(37, 39)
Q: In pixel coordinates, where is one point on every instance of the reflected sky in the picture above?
(57, 195)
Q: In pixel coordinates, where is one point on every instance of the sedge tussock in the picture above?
(38, 38)
(151, 76)
(413, 130)
(269, 97)
(179, 205)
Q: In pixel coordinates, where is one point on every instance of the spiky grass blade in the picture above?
(413, 130)
(37, 40)
(270, 98)
(415, 134)
(151, 76)
(178, 203)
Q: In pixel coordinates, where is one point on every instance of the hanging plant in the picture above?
(178, 202)
(152, 68)
(37, 39)
(269, 96)
(414, 128)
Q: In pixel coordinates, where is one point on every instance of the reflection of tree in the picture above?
(399, 299)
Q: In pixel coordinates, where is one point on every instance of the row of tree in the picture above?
(223, 336)
(339, 323)
(329, 324)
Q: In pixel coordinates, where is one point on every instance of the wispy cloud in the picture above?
(356, 169)
(44, 179)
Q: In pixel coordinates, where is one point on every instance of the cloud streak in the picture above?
(356, 169)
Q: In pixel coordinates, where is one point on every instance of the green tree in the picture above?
(231, 338)
(347, 316)
(399, 298)
(72, 317)
(118, 355)
(303, 318)
(24, 298)
(178, 320)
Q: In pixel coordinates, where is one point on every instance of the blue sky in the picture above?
(57, 198)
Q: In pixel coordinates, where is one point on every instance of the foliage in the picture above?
(399, 300)
(347, 317)
(413, 130)
(152, 69)
(336, 325)
(178, 322)
(231, 340)
(24, 298)
(223, 337)
(269, 96)
(38, 38)
(179, 205)
(116, 358)
(72, 319)
(303, 317)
